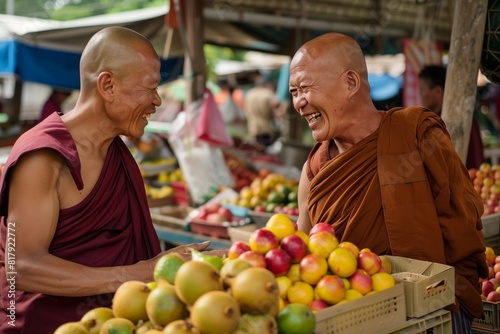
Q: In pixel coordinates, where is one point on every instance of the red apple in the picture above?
(202, 213)
(254, 258)
(237, 248)
(212, 207)
(497, 276)
(215, 218)
(317, 305)
(322, 227)
(361, 281)
(262, 241)
(493, 296)
(369, 262)
(278, 262)
(295, 247)
(225, 212)
(259, 208)
(487, 287)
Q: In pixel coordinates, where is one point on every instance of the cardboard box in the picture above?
(428, 286)
(375, 313)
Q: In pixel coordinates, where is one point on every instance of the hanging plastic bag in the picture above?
(210, 126)
(203, 165)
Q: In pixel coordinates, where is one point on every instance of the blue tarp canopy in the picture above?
(48, 52)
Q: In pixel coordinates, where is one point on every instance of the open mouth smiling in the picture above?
(313, 117)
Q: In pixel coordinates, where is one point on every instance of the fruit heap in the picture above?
(273, 284)
(241, 174)
(486, 181)
(314, 270)
(206, 295)
(170, 176)
(269, 192)
(214, 212)
(491, 285)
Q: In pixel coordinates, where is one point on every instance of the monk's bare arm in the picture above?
(34, 206)
(304, 223)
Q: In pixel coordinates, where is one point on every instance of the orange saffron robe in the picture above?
(404, 191)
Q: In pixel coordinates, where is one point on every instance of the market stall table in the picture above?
(171, 237)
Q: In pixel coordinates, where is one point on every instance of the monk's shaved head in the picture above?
(333, 52)
(105, 52)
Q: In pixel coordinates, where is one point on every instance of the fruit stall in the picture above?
(280, 280)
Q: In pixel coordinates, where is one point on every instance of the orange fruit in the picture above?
(296, 319)
(300, 292)
(281, 225)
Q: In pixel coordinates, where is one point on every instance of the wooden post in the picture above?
(194, 72)
(463, 65)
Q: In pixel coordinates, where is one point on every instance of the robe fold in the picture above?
(111, 227)
(404, 191)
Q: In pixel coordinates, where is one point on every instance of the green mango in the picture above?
(215, 261)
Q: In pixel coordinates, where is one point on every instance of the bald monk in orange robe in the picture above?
(388, 181)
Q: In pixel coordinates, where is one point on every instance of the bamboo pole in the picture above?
(463, 65)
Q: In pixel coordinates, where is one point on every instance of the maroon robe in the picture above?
(111, 227)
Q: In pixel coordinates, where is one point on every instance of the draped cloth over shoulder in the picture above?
(110, 227)
(404, 191)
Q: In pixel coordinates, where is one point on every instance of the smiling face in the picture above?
(137, 96)
(120, 74)
(326, 73)
(317, 94)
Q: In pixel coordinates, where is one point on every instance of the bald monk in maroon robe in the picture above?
(75, 220)
(388, 181)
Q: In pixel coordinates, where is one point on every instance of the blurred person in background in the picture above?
(54, 102)
(263, 113)
(432, 79)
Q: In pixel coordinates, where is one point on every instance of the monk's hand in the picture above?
(185, 250)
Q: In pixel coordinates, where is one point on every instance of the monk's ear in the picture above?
(353, 83)
(106, 85)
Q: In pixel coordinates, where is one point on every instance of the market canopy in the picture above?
(48, 52)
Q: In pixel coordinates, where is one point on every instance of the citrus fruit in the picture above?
(322, 244)
(300, 292)
(342, 262)
(281, 225)
(382, 281)
(296, 319)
